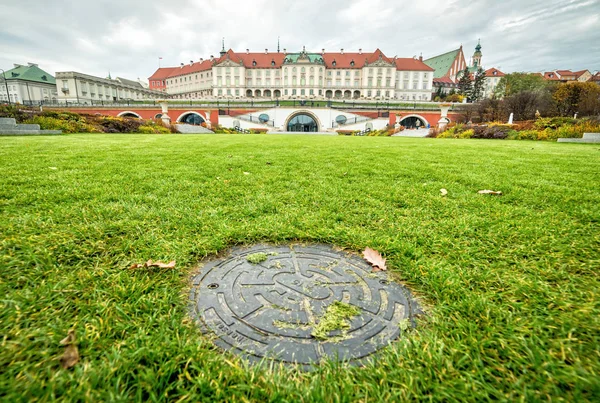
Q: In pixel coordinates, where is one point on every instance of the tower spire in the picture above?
(278, 44)
(477, 55)
(223, 52)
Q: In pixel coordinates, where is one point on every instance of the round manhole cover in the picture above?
(299, 304)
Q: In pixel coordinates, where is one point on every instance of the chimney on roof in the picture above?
(421, 57)
(247, 51)
(342, 51)
(191, 62)
(323, 50)
(284, 50)
(360, 51)
(266, 51)
(201, 59)
(181, 64)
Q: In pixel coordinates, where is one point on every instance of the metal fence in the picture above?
(223, 104)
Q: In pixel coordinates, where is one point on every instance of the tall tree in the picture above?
(573, 97)
(514, 83)
(478, 84)
(465, 84)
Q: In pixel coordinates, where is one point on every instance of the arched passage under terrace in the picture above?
(413, 122)
(303, 122)
(191, 118)
(129, 114)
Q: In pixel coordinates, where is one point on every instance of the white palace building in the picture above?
(302, 75)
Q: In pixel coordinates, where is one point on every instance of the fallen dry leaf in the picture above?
(70, 339)
(71, 355)
(490, 192)
(150, 263)
(444, 192)
(246, 173)
(375, 258)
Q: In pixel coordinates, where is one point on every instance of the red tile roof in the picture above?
(344, 60)
(580, 73)
(411, 64)
(443, 80)
(595, 77)
(378, 54)
(494, 72)
(197, 67)
(162, 73)
(550, 75)
(270, 60)
(563, 73)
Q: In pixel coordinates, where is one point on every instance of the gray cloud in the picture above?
(127, 37)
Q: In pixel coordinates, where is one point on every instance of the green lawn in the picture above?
(511, 283)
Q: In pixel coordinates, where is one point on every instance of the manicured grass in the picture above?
(511, 282)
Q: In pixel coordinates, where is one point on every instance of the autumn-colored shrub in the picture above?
(153, 129)
(467, 134)
(67, 126)
(433, 132)
(524, 125)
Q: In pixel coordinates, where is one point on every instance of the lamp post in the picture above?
(6, 84)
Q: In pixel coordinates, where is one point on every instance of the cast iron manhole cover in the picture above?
(299, 304)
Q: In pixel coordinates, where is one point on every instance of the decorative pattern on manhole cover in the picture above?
(299, 304)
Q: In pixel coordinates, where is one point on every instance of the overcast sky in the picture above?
(127, 37)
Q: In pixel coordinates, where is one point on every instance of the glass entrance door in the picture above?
(302, 123)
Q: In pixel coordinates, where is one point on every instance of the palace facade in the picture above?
(301, 75)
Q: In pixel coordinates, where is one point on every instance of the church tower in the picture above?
(477, 55)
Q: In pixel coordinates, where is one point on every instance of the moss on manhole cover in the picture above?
(299, 304)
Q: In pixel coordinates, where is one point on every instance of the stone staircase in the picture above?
(587, 138)
(193, 129)
(9, 127)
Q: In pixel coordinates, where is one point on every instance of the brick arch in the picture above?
(414, 115)
(184, 114)
(131, 113)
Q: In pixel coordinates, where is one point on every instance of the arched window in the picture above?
(294, 69)
(312, 69)
(303, 70)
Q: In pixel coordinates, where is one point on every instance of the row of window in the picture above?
(312, 92)
(10, 88)
(185, 79)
